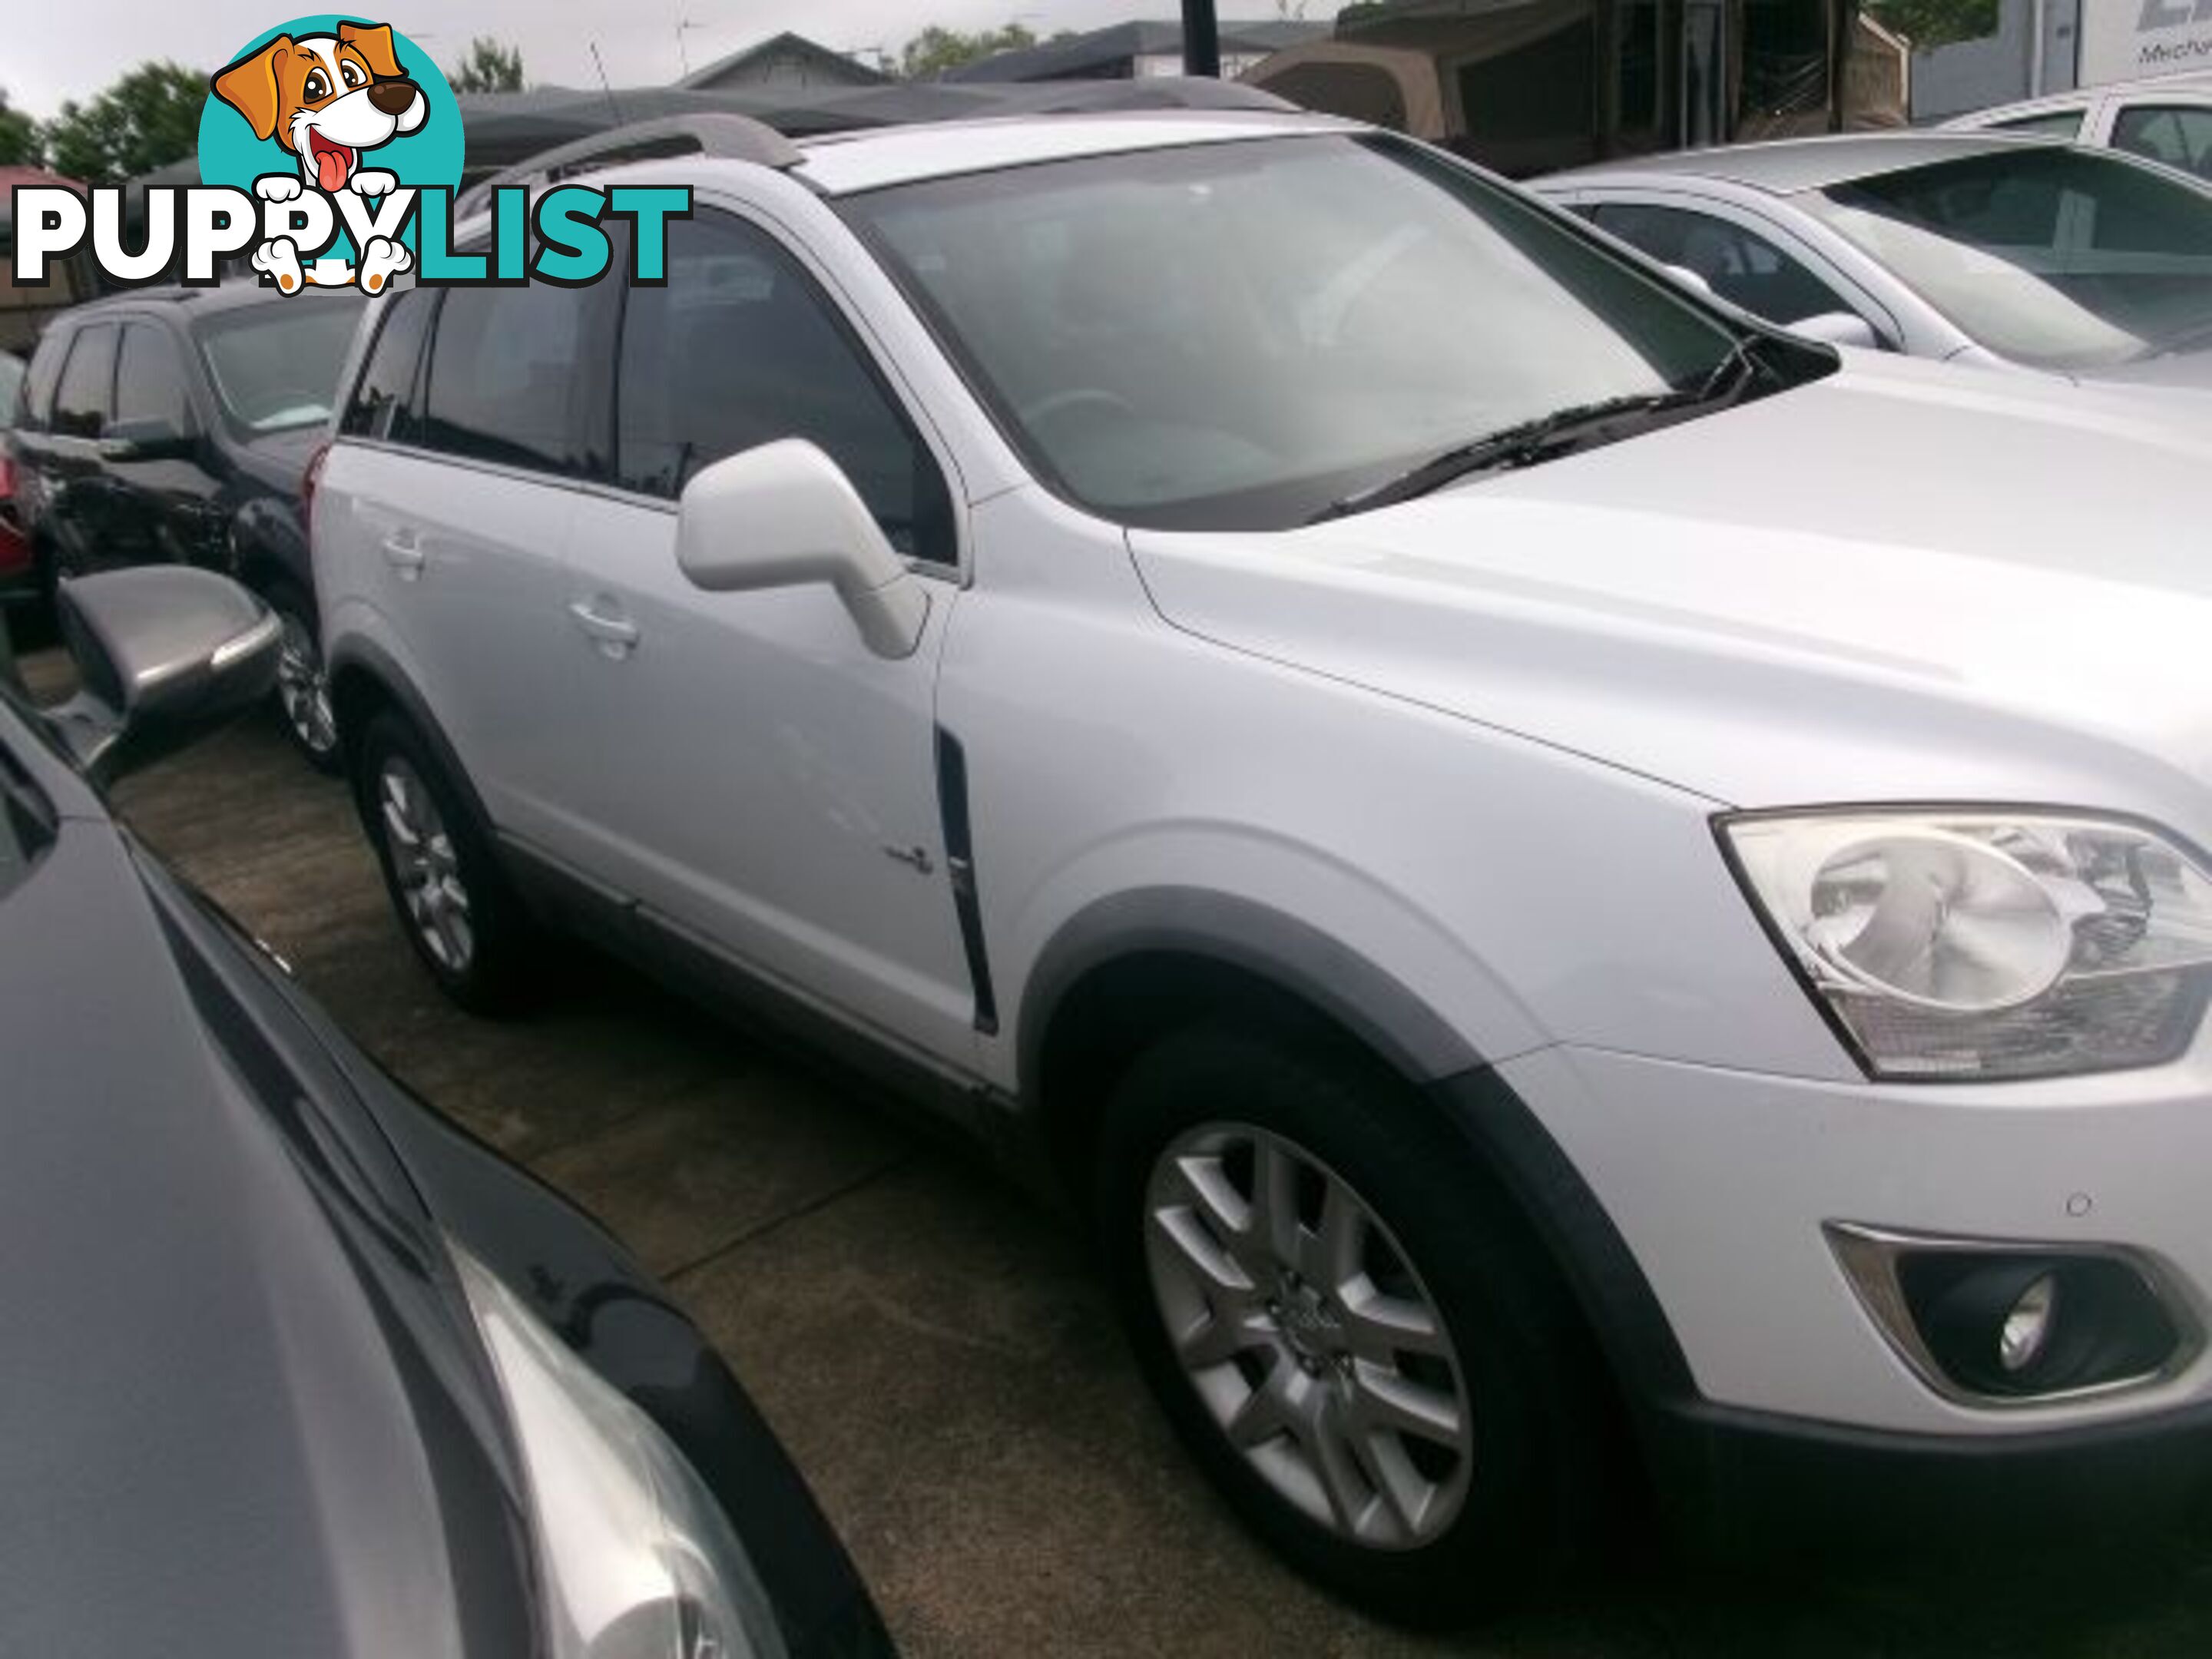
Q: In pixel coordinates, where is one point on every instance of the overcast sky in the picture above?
(58, 49)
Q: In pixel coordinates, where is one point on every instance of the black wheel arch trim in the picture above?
(1241, 934)
(364, 657)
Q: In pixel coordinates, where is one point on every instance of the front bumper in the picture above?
(1744, 1483)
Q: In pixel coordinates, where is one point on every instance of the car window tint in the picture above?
(386, 400)
(1743, 267)
(82, 401)
(149, 381)
(2179, 134)
(505, 384)
(742, 348)
(2052, 124)
(46, 368)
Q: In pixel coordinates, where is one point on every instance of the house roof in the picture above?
(856, 73)
(1085, 54)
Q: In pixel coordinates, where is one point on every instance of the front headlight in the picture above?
(1983, 942)
(636, 1558)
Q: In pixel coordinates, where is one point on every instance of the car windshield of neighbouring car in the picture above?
(1232, 335)
(277, 364)
(11, 385)
(2058, 258)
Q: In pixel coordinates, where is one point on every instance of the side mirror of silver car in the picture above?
(786, 513)
(1843, 328)
(163, 653)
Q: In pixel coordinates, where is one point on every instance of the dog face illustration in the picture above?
(326, 97)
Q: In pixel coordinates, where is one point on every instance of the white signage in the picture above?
(2124, 39)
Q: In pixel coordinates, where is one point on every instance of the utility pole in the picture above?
(1201, 39)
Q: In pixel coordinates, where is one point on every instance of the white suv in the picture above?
(1541, 861)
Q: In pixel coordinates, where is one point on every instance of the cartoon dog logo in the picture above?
(327, 98)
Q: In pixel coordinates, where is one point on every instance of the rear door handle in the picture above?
(616, 636)
(401, 553)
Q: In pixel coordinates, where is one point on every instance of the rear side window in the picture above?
(84, 401)
(149, 381)
(2054, 124)
(511, 378)
(741, 347)
(386, 401)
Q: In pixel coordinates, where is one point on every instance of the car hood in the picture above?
(241, 1410)
(1900, 581)
(279, 459)
(2188, 371)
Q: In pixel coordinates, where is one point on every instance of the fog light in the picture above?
(2028, 1327)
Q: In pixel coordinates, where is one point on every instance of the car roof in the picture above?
(188, 303)
(2191, 85)
(842, 163)
(1789, 166)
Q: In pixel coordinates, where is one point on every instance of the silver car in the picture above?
(2167, 118)
(1973, 247)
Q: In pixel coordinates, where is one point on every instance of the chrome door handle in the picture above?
(403, 555)
(615, 635)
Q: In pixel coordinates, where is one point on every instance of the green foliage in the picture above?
(21, 144)
(489, 67)
(148, 119)
(936, 50)
(1927, 23)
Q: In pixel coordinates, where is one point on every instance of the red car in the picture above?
(18, 579)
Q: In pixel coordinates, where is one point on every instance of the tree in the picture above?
(936, 52)
(148, 119)
(20, 146)
(489, 67)
(1927, 23)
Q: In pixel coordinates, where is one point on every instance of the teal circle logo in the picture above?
(335, 105)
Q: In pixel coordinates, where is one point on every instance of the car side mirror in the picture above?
(163, 653)
(1843, 328)
(1693, 280)
(156, 438)
(785, 514)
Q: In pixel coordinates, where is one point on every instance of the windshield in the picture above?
(1233, 336)
(277, 364)
(2054, 257)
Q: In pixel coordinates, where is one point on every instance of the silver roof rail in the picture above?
(732, 138)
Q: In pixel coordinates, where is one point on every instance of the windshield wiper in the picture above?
(1584, 425)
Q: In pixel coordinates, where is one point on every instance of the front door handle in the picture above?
(616, 636)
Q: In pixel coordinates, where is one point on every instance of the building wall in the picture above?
(1971, 74)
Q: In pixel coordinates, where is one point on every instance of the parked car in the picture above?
(1968, 247)
(293, 1365)
(2165, 118)
(172, 426)
(1556, 869)
(18, 575)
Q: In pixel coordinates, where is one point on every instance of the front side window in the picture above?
(385, 403)
(1236, 335)
(149, 381)
(741, 347)
(1738, 265)
(510, 381)
(85, 399)
(276, 365)
(2179, 134)
(2059, 258)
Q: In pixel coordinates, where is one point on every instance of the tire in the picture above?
(461, 917)
(1500, 1488)
(303, 688)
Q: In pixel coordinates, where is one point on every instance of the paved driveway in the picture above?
(932, 1346)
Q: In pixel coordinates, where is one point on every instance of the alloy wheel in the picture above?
(1309, 1335)
(303, 688)
(424, 865)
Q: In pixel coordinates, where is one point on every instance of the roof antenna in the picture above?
(601, 64)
